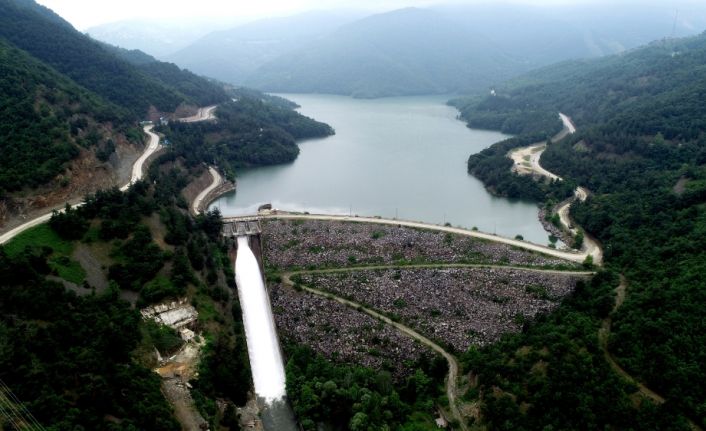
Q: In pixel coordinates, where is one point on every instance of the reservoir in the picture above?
(393, 157)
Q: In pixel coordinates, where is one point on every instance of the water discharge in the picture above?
(263, 345)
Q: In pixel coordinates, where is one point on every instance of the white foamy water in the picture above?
(263, 345)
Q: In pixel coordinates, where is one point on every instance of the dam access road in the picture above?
(562, 254)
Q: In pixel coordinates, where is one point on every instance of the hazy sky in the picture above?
(86, 13)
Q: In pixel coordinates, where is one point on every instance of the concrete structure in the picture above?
(242, 227)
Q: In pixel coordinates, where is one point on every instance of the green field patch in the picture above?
(59, 260)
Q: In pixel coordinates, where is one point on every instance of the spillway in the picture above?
(263, 345)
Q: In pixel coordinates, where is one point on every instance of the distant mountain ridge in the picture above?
(235, 55)
(443, 49)
(49, 38)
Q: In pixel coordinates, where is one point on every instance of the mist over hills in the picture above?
(235, 55)
(442, 49)
(50, 39)
(158, 38)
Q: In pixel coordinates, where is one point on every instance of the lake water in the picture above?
(394, 157)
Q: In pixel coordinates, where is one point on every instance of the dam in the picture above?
(260, 332)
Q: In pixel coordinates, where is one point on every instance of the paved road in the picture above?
(137, 167)
(136, 175)
(203, 114)
(451, 378)
(217, 181)
(526, 162)
(573, 256)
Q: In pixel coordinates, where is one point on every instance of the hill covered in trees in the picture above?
(385, 55)
(45, 120)
(640, 149)
(48, 38)
(76, 350)
(64, 95)
(447, 49)
(253, 130)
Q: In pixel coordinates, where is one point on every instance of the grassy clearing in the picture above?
(39, 236)
(59, 260)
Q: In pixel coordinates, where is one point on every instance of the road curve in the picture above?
(137, 168)
(452, 376)
(604, 337)
(203, 114)
(217, 181)
(572, 256)
(526, 162)
(136, 175)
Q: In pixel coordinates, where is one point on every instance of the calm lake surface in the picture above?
(394, 157)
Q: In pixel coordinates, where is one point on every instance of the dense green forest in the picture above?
(200, 90)
(61, 92)
(46, 118)
(640, 149)
(47, 37)
(347, 396)
(83, 365)
(254, 130)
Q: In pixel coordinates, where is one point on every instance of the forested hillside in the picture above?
(387, 54)
(76, 350)
(640, 149)
(63, 94)
(200, 90)
(254, 130)
(45, 119)
(45, 36)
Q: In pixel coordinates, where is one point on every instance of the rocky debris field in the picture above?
(343, 334)
(458, 307)
(316, 244)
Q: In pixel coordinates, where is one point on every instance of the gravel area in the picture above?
(317, 244)
(343, 334)
(458, 307)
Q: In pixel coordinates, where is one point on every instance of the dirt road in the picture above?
(451, 378)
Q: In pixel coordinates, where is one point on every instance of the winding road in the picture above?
(526, 162)
(217, 181)
(203, 114)
(604, 338)
(137, 173)
(453, 374)
(137, 168)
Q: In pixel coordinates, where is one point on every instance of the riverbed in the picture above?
(399, 157)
